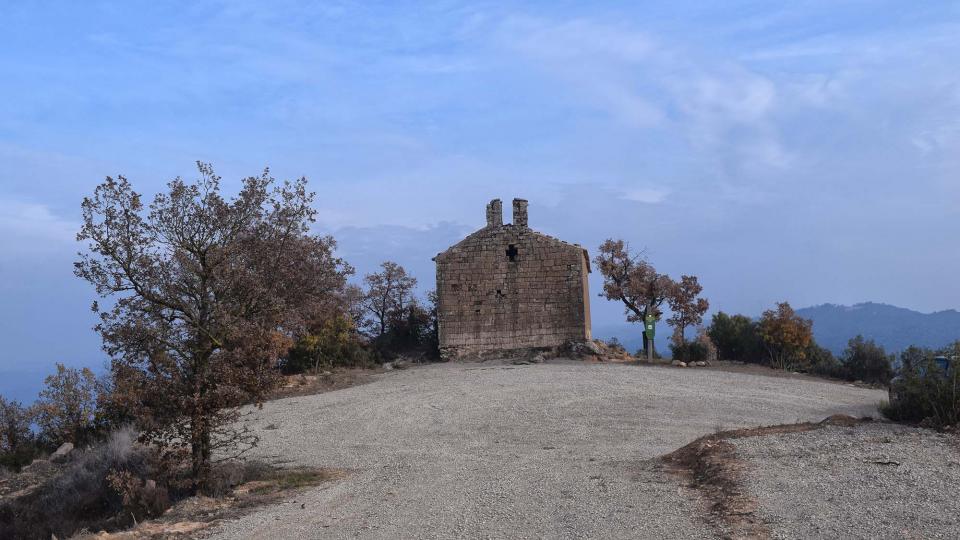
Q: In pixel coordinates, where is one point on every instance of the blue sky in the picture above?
(808, 152)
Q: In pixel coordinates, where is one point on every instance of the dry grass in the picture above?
(261, 485)
(115, 485)
(78, 494)
(328, 381)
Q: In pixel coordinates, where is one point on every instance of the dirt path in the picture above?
(556, 450)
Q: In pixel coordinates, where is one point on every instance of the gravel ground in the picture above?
(826, 483)
(557, 450)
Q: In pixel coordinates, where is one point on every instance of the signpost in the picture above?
(650, 330)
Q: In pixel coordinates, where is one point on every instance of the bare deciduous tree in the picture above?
(632, 280)
(205, 294)
(388, 293)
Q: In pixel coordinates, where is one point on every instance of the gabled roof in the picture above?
(487, 232)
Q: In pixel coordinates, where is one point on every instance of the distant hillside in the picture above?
(893, 327)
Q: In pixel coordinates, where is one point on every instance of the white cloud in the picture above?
(590, 58)
(646, 195)
(576, 39)
(31, 229)
(736, 94)
(723, 109)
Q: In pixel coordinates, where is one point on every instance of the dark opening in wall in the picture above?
(512, 252)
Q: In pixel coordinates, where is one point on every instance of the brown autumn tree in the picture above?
(387, 295)
(67, 406)
(686, 306)
(786, 336)
(205, 293)
(630, 279)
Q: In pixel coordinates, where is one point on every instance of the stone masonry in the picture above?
(508, 288)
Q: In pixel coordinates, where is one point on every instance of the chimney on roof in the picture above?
(494, 213)
(520, 213)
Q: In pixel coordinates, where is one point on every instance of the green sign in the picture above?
(649, 326)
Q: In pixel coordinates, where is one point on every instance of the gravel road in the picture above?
(557, 450)
(828, 483)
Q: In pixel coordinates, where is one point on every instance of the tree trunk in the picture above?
(205, 454)
(200, 450)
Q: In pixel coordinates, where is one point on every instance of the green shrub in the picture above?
(736, 338)
(913, 357)
(925, 394)
(690, 351)
(822, 362)
(866, 361)
(333, 343)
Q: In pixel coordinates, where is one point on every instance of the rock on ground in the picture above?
(874, 480)
(492, 450)
(61, 452)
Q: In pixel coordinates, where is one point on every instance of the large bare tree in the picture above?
(632, 280)
(204, 293)
(387, 295)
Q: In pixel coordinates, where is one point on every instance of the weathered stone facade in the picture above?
(508, 287)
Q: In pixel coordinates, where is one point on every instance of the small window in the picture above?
(512, 252)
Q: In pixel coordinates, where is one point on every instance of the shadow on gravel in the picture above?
(711, 466)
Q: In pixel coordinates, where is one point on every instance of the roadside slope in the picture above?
(874, 480)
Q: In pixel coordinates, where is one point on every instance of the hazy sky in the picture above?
(808, 153)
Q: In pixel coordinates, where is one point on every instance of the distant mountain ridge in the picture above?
(895, 328)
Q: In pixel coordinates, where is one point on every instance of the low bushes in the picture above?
(866, 361)
(110, 486)
(927, 395)
(822, 362)
(736, 338)
(616, 347)
(82, 494)
(333, 343)
(690, 351)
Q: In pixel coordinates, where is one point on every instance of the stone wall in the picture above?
(508, 287)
